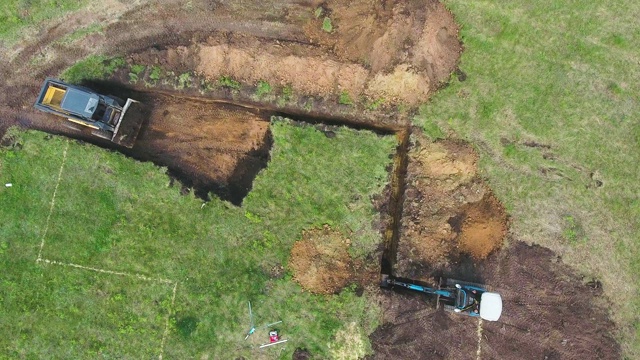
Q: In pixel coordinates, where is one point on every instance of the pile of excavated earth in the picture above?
(448, 221)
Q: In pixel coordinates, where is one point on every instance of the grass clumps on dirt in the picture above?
(548, 104)
(93, 67)
(263, 88)
(228, 82)
(345, 98)
(81, 33)
(135, 72)
(116, 214)
(326, 25)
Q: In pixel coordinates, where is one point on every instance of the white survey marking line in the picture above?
(53, 201)
(111, 272)
(166, 325)
(479, 339)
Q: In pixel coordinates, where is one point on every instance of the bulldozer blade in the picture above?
(130, 123)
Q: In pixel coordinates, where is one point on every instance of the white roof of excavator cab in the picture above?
(490, 306)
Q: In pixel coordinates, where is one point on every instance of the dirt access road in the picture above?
(445, 219)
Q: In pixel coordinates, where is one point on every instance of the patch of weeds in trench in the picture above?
(184, 80)
(228, 82)
(93, 67)
(155, 74)
(286, 95)
(135, 72)
(206, 86)
(326, 25)
(345, 98)
(263, 88)
(373, 105)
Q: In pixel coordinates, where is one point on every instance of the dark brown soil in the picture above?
(548, 313)
(210, 146)
(449, 214)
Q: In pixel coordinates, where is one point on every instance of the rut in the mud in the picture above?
(395, 204)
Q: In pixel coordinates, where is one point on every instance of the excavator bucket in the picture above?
(131, 121)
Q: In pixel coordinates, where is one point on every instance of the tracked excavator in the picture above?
(457, 296)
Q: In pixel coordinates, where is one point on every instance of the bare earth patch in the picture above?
(320, 261)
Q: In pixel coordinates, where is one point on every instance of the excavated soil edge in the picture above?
(406, 50)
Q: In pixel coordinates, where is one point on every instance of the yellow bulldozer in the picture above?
(106, 116)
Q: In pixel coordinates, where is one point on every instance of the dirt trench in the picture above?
(444, 221)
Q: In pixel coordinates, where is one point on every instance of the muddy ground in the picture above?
(442, 217)
(548, 313)
(448, 213)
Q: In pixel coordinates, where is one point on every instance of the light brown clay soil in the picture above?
(448, 212)
(320, 261)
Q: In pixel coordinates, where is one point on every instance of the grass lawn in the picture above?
(116, 214)
(551, 100)
(15, 15)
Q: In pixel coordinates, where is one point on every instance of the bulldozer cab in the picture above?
(108, 116)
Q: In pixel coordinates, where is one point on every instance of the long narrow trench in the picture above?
(396, 202)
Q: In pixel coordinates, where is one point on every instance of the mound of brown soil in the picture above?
(483, 227)
(321, 261)
(448, 211)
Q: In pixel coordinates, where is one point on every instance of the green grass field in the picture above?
(115, 214)
(16, 15)
(563, 75)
